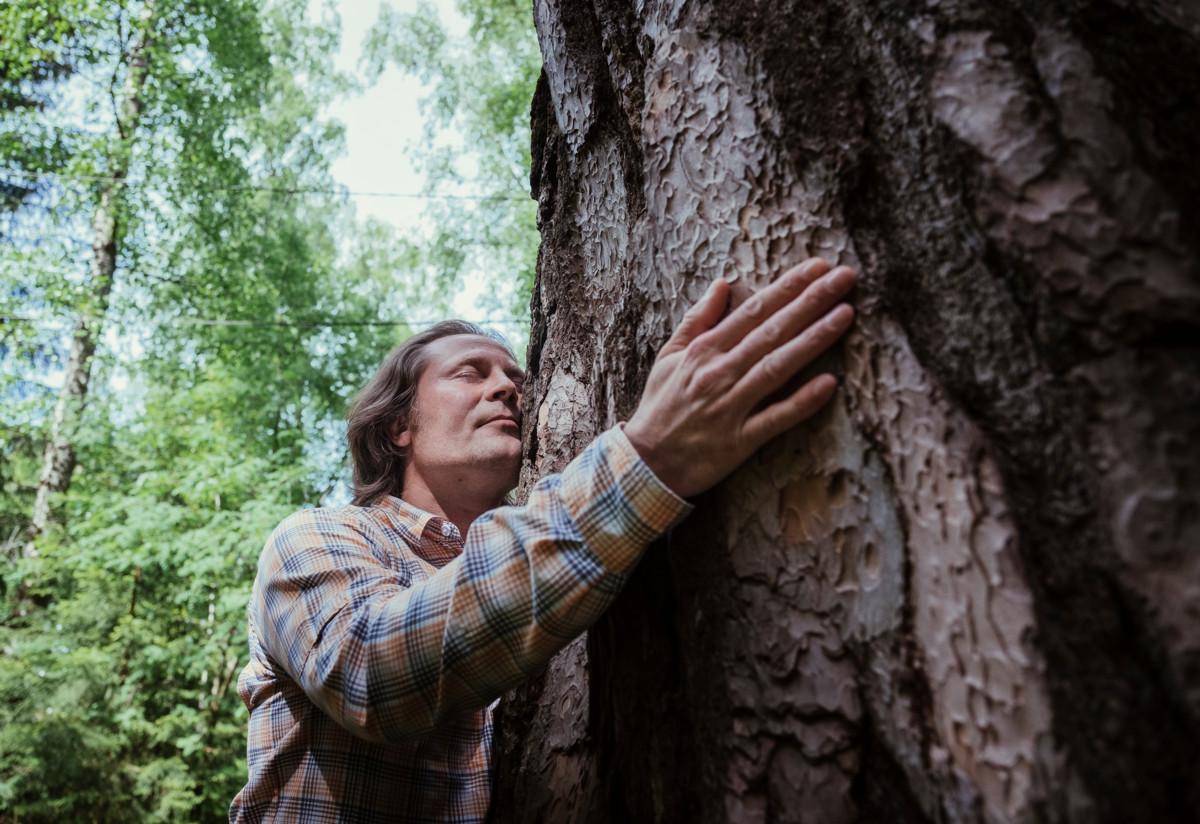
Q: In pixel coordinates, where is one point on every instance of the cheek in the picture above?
(450, 406)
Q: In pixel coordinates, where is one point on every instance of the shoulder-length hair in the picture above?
(384, 406)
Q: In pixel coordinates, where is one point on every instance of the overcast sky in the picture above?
(381, 124)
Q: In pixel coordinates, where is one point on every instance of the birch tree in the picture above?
(154, 93)
(246, 306)
(58, 462)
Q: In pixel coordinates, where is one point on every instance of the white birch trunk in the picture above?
(58, 461)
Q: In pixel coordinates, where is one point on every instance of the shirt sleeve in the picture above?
(389, 662)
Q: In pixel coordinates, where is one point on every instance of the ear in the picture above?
(399, 434)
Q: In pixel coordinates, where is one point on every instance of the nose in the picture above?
(502, 387)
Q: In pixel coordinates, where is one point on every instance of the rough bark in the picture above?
(58, 459)
(970, 589)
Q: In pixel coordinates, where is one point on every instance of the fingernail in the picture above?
(838, 316)
(842, 278)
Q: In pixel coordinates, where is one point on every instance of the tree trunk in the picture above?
(969, 590)
(58, 460)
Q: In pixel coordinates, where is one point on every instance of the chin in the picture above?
(503, 455)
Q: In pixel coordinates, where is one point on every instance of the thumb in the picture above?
(703, 315)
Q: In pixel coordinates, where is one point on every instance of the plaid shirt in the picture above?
(378, 637)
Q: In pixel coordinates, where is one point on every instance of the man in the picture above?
(380, 637)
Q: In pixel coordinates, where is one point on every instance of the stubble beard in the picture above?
(499, 454)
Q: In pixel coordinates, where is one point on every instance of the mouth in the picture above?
(504, 419)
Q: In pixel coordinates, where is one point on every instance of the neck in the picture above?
(459, 499)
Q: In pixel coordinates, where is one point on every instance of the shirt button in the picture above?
(446, 529)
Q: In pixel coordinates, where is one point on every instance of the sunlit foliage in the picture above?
(476, 138)
(239, 324)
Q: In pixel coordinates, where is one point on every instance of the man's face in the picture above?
(467, 412)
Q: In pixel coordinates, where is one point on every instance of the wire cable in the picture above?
(238, 322)
(286, 190)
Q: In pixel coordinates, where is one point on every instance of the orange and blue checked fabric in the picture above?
(379, 637)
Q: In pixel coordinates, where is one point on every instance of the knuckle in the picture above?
(704, 381)
(754, 307)
(697, 351)
(772, 366)
(773, 332)
(818, 339)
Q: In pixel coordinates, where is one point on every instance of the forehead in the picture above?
(454, 349)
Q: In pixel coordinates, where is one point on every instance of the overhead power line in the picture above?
(316, 323)
(285, 323)
(285, 190)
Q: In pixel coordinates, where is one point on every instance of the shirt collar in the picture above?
(434, 538)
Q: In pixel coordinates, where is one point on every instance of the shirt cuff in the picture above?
(672, 508)
(617, 502)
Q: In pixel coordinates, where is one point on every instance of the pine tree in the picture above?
(966, 591)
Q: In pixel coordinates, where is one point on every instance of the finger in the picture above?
(703, 316)
(792, 319)
(761, 305)
(793, 410)
(778, 367)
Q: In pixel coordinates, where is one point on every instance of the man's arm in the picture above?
(388, 662)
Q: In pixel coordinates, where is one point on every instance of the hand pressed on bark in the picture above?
(700, 417)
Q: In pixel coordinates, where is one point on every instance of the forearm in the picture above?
(529, 580)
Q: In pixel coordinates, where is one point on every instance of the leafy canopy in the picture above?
(232, 341)
(121, 641)
(477, 141)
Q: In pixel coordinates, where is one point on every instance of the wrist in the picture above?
(646, 448)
